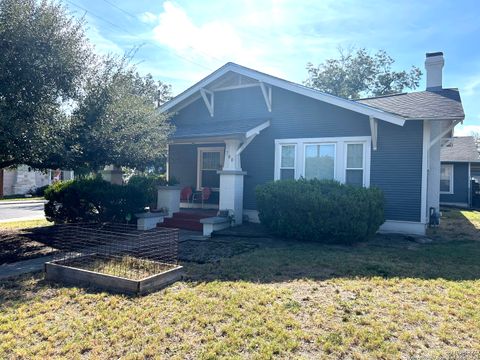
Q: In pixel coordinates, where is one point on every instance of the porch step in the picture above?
(194, 215)
(187, 220)
(185, 224)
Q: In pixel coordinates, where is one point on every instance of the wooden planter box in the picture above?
(75, 276)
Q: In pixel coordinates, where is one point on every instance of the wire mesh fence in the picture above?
(115, 249)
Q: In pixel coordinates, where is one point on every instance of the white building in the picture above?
(21, 180)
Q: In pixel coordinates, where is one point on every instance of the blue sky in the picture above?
(183, 41)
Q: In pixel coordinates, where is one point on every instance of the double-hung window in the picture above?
(446, 179)
(354, 167)
(288, 154)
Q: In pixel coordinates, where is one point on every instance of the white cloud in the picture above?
(466, 130)
(102, 44)
(212, 42)
(472, 87)
(148, 17)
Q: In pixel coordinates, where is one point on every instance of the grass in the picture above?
(390, 298)
(126, 266)
(24, 224)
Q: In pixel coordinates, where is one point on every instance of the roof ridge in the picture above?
(383, 96)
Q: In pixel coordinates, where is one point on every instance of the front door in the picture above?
(210, 160)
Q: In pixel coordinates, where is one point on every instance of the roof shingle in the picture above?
(421, 105)
(217, 129)
(461, 149)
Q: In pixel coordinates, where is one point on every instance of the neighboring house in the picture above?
(238, 128)
(21, 180)
(460, 163)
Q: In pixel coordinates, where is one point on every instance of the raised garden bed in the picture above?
(115, 257)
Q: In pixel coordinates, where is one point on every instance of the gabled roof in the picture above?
(220, 129)
(422, 105)
(460, 149)
(192, 93)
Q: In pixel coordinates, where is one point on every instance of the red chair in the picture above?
(186, 194)
(203, 195)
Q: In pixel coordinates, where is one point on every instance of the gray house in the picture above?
(239, 127)
(460, 164)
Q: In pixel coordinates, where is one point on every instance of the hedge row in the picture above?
(94, 200)
(320, 210)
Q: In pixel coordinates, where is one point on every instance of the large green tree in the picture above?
(63, 106)
(43, 56)
(357, 73)
(117, 121)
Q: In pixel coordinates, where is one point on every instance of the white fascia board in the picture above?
(287, 85)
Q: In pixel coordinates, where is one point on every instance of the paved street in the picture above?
(21, 210)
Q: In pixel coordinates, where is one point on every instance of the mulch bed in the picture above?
(17, 245)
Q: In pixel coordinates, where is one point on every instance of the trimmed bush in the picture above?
(320, 210)
(93, 200)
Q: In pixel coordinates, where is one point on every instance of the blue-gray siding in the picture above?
(395, 167)
(460, 185)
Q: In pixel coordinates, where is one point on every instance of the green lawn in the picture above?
(23, 224)
(389, 298)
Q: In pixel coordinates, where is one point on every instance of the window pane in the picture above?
(320, 161)
(211, 160)
(445, 185)
(210, 179)
(354, 177)
(287, 174)
(445, 176)
(288, 156)
(354, 156)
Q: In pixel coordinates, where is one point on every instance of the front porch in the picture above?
(207, 165)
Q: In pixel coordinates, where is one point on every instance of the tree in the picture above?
(43, 56)
(117, 121)
(356, 73)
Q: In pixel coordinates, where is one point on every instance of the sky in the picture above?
(180, 42)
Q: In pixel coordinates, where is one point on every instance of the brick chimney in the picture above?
(434, 64)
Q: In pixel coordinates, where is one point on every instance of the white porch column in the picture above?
(231, 181)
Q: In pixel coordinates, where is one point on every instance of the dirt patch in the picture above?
(17, 245)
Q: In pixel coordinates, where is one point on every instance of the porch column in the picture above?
(231, 181)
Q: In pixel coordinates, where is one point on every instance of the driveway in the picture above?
(21, 210)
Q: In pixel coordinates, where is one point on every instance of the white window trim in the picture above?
(294, 168)
(201, 150)
(321, 143)
(340, 155)
(364, 157)
(450, 191)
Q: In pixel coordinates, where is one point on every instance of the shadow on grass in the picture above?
(452, 255)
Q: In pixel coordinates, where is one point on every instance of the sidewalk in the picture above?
(22, 267)
(19, 202)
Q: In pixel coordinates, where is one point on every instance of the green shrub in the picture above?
(93, 200)
(148, 184)
(320, 210)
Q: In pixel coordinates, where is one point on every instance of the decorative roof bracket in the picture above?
(208, 102)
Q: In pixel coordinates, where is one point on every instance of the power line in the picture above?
(134, 35)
